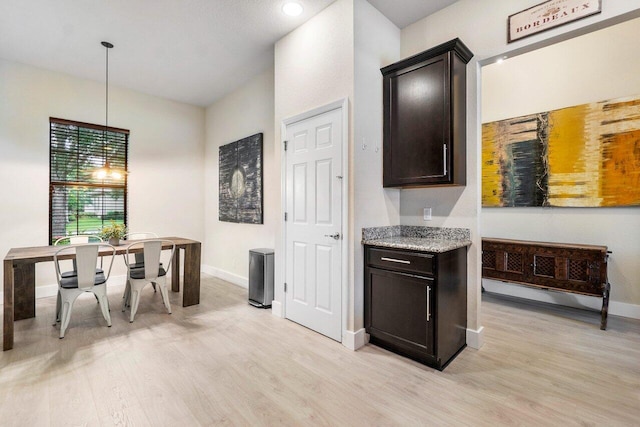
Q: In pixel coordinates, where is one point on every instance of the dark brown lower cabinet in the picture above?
(416, 303)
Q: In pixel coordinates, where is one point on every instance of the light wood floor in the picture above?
(226, 363)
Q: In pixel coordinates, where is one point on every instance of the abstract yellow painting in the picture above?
(581, 156)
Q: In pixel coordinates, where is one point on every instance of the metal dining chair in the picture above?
(87, 279)
(76, 240)
(152, 272)
(141, 235)
(139, 256)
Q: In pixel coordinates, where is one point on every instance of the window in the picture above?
(80, 203)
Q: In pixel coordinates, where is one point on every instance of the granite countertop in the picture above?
(427, 239)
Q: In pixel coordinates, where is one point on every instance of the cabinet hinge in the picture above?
(286, 216)
(285, 287)
(286, 143)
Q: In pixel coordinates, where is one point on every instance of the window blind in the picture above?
(79, 203)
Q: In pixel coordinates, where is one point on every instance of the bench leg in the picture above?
(605, 307)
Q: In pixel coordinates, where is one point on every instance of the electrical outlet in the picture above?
(426, 214)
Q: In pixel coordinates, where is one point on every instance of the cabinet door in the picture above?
(417, 126)
(570, 269)
(399, 310)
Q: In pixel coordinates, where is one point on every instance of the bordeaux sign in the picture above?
(549, 14)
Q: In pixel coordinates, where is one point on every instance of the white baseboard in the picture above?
(562, 298)
(46, 291)
(227, 276)
(276, 309)
(475, 338)
(624, 309)
(354, 340)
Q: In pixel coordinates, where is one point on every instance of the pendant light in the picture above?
(106, 171)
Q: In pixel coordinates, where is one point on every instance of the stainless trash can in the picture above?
(261, 277)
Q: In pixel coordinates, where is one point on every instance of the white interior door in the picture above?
(313, 273)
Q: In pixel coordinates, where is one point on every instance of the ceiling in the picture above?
(191, 51)
(410, 11)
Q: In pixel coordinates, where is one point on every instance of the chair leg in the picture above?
(101, 296)
(104, 306)
(68, 298)
(67, 308)
(127, 296)
(134, 290)
(57, 309)
(64, 318)
(162, 283)
(135, 299)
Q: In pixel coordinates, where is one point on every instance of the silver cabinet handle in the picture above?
(399, 261)
(428, 311)
(333, 236)
(444, 146)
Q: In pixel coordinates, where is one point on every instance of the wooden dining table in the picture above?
(20, 278)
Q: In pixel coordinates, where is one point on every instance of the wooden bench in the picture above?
(578, 269)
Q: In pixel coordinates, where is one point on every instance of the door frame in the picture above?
(343, 105)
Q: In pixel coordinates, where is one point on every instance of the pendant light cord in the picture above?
(106, 111)
(108, 46)
(106, 115)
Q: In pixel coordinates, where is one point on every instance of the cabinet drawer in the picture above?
(400, 260)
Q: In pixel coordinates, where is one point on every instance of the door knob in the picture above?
(335, 236)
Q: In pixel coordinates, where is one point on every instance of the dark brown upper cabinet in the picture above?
(425, 118)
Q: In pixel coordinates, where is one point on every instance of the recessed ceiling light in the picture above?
(292, 8)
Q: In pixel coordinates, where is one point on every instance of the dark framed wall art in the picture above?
(240, 181)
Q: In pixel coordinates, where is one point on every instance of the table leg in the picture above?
(24, 291)
(191, 282)
(7, 330)
(175, 271)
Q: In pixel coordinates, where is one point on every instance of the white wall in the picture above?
(483, 29)
(377, 44)
(165, 155)
(314, 67)
(594, 67)
(247, 111)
